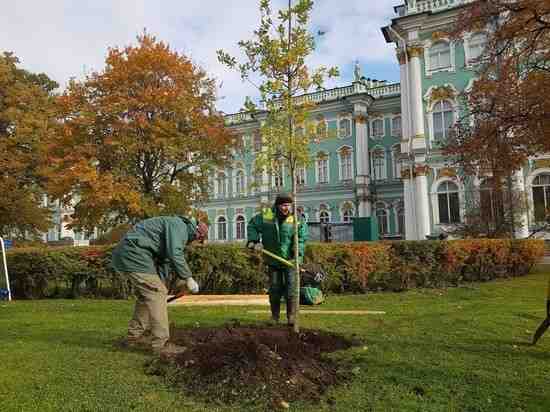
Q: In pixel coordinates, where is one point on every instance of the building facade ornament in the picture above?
(421, 170)
(401, 57)
(415, 51)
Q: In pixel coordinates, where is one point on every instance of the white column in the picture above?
(415, 89)
(408, 200)
(421, 202)
(405, 106)
(362, 159)
(522, 229)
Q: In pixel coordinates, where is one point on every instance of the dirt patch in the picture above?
(254, 365)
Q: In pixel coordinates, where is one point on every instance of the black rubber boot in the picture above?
(290, 315)
(275, 305)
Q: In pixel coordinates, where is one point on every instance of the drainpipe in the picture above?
(409, 121)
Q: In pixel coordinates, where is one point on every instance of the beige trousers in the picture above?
(150, 312)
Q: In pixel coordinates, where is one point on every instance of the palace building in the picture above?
(383, 155)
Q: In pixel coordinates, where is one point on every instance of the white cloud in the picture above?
(64, 38)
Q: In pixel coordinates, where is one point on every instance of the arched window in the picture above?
(378, 164)
(324, 216)
(240, 227)
(491, 204)
(222, 228)
(448, 202)
(301, 176)
(377, 127)
(396, 161)
(239, 183)
(347, 212)
(396, 126)
(322, 168)
(440, 56)
(344, 129)
(346, 165)
(541, 196)
(382, 217)
(257, 141)
(443, 119)
(221, 185)
(476, 46)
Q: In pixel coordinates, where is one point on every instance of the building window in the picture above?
(239, 183)
(382, 218)
(322, 168)
(347, 212)
(324, 216)
(320, 130)
(344, 129)
(257, 142)
(377, 128)
(440, 56)
(396, 126)
(378, 164)
(222, 228)
(396, 161)
(346, 166)
(240, 228)
(491, 204)
(301, 176)
(221, 183)
(476, 46)
(448, 202)
(541, 196)
(443, 118)
(278, 177)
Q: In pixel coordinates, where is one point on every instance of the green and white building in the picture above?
(383, 157)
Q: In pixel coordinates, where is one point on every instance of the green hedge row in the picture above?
(230, 268)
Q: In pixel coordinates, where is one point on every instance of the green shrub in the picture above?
(230, 268)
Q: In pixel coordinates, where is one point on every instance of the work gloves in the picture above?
(257, 246)
(192, 285)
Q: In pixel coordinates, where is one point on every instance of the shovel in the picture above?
(278, 258)
(179, 295)
(546, 322)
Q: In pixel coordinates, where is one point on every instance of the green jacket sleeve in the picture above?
(176, 237)
(254, 228)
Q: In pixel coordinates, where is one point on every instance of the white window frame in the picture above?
(400, 134)
(384, 174)
(275, 175)
(324, 208)
(372, 122)
(529, 189)
(431, 112)
(470, 60)
(317, 165)
(435, 202)
(235, 226)
(427, 58)
(242, 192)
(342, 119)
(301, 172)
(343, 208)
(399, 207)
(383, 206)
(225, 194)
(340, 152)
(218, 228)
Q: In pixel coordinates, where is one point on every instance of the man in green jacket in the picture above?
(274, 228)
(148, 253)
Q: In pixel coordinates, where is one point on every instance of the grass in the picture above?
(461, 349)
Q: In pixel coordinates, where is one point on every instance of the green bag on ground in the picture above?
(311, 296)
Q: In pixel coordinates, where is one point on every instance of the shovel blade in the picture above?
(540, 331)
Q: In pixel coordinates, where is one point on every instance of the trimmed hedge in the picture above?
(230, 268)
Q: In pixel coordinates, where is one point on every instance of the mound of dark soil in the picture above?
(253, 364)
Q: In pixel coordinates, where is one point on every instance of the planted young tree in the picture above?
(277, 54)
(139, 138)
(27, 121)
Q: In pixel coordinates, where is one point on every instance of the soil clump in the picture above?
(254, 365)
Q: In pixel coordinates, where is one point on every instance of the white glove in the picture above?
(192, 285)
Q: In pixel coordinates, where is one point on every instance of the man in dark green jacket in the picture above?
(148, 253)
(274, 228)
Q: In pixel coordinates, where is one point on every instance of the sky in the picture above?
(69, 38)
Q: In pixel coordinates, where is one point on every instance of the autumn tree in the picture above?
(507, 115)
(277, 54)
(27, 121)
(139, 138)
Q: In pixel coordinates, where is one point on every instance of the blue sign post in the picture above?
(3, 246)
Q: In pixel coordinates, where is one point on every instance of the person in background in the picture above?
(148, 253)
(273, 229)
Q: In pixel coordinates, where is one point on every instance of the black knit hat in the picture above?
(283, 198)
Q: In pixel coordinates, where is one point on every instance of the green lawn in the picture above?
(462, 349)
